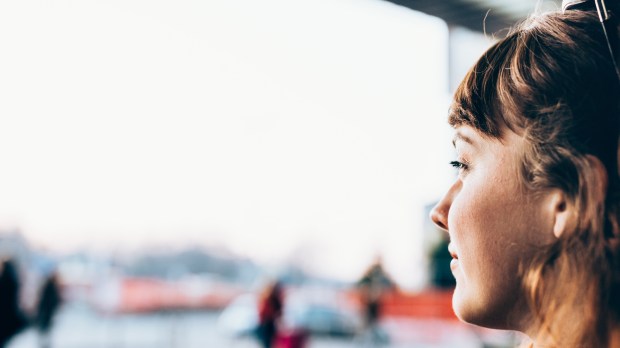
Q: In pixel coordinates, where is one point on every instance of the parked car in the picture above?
(320, 319)
(240, 317)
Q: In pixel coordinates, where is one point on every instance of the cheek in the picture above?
(472, 228)
(486, 225)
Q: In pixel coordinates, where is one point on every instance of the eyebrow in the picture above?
(462, 137)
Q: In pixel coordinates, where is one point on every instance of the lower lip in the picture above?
(454, 264)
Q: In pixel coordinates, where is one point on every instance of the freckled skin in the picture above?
(494, 226)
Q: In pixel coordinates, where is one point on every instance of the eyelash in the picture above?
(459, 165)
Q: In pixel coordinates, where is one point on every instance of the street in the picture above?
(80, 327)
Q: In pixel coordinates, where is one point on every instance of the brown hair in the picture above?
(551, 80)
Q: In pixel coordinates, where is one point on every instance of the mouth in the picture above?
(454, 264)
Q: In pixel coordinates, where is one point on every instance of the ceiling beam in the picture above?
(462, 13)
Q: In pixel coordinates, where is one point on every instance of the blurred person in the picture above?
(533, 215)
(270, 307)
(49, 301)
(296, 338)
(12, 319)
(373, 286)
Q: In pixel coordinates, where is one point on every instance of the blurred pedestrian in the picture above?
(49, 302)
(269, 313)
(12, 319)
(373, 286)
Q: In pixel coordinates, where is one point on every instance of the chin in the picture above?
(461, 305)
(478, 310)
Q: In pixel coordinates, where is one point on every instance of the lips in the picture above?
(454, 264)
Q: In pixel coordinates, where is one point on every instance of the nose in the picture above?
(439, 213)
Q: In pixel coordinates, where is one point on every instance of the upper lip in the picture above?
(452, 251)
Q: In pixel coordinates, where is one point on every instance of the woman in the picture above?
(533, 214)
(269, 313)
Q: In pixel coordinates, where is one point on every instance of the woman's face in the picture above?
(495, 225)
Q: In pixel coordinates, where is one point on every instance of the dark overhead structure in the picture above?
(490, 16)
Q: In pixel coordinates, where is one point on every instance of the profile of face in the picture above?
(495, 225)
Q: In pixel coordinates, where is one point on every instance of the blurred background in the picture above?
(163, 163)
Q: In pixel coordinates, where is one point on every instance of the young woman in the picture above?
(533, 214)
(269, 313)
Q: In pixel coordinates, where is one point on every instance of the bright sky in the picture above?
(281, 129)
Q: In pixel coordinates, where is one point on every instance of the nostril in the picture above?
(438, 216)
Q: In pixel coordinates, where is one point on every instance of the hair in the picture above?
(551, 81)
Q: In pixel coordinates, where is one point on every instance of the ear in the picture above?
(594, 176)
(562, 212)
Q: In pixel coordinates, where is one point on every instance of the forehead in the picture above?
(466, 135)
(461, 135)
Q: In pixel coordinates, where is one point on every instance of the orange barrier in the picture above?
(145, 295)
(428, 304)
(424, 305)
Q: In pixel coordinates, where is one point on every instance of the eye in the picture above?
(459, 165)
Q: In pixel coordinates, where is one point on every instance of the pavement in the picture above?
(81, 327)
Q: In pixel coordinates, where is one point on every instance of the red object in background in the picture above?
(144, 295)
(292, 339)
(435, 304)
(147, 295)
(426, 304)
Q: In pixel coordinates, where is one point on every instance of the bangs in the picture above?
(504, 89)
(477, 101)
